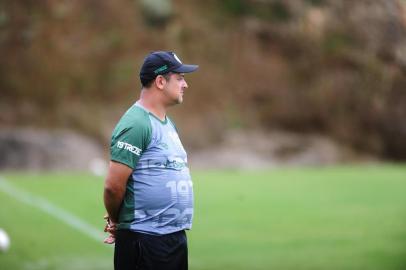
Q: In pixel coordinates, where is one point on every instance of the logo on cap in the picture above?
(177, 58)
(156, 71)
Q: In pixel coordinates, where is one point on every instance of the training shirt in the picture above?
(159, 192)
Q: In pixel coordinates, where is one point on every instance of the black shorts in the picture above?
(141, 251)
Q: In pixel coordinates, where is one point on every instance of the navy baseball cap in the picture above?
(160, 62)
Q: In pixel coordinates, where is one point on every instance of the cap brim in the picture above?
(186, 68)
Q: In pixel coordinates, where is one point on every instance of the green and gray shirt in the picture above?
(159, 192)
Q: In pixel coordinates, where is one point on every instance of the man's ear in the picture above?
(160, 82)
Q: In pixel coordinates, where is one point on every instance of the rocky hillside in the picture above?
(332, 67)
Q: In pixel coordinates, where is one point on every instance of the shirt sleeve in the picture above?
(128, 144)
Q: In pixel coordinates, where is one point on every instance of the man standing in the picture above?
(148, 191)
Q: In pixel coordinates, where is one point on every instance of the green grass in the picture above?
(40, 241)
(330, 218)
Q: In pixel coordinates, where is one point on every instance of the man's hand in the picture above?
(111, 229)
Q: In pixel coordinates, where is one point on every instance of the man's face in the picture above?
(174, 88)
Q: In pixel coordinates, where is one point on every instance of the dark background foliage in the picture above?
(330, 67)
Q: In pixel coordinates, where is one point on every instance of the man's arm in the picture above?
(114, 188)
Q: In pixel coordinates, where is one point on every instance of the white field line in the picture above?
(49, 208)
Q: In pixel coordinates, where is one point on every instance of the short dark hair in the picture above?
(167, 77)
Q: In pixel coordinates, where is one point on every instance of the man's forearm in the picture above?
(112, 202)
(114, 188)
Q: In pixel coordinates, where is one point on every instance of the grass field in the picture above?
(329, 218)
